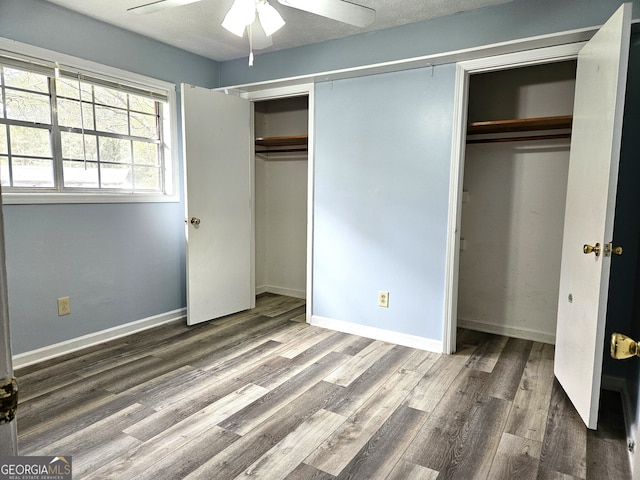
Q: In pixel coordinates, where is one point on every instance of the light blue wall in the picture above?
(118, 262)
(46, 25)
(515, 20)
(372, 184)
(382, 160)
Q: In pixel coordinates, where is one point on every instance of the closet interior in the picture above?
(281, 172)
(514, 188)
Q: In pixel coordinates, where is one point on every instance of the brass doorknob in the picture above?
(587, 249)
(623, 347)
(195, 221)
(617, 250)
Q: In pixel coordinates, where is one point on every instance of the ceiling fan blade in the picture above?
(259, 38)
(342, 11)
(159, 5)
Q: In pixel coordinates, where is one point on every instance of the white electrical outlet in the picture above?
(383, 299)
(64, 306)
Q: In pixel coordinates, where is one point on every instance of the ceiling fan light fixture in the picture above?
(241, 14)
(270, 19)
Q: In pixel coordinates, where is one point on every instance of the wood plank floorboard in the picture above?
(381, 453)
(507, 373)
(246, 450)
(516, 457)
(606, 439)
(436, 444)
(371, 380)
(564, 448)
(262, 394)
(361, 361)
(528, 416)
(410, 471)
(336, 452)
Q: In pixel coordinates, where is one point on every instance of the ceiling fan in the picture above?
(340, 10)
(262, 20)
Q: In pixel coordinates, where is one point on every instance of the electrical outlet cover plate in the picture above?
(64, 306)
(383, 299)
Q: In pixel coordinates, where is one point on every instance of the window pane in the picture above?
(141, 104)
(30, 141)
(118, 149)
(26, 80)
(3, 139)
(29, 172)
(111, 120)
(68, 87)
(72, 146)
(4, 171)
(30, 107)
(80, 175)
(143, 125)
(115, 176)
(69, 114)
(145, 153)
(147, 178)
(115, 150)
(108, 96)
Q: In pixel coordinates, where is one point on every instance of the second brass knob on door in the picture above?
(195, 221)
(623, 347)
(587, 249)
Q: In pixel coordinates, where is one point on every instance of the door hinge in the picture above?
(8, 399)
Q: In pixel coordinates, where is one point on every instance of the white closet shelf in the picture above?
(560, 122)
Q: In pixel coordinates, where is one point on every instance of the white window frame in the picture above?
(40, 55)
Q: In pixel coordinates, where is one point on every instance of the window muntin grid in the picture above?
(42, 128)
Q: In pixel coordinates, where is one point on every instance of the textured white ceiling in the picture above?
(196, 27)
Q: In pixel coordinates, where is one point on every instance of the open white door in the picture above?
(217, 153)
(591, 195)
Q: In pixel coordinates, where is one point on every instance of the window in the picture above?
(67, 132)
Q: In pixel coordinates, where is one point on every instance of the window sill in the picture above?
(62, 198)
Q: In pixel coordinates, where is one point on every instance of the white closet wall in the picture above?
(281, 200)
(513, 213)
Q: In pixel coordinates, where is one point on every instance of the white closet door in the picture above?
(217, 153)
(591, 194)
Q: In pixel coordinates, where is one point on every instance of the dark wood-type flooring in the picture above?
(262, 394)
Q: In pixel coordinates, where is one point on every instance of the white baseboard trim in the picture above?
(78, 343)
(289, 292)
(261, 289)
(523, 333)
(375, 333)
